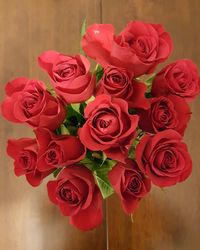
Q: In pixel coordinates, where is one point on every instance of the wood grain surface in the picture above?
(168, 220)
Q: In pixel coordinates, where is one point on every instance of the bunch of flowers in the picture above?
(116, 128)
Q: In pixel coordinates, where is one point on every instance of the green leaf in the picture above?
(82, 107)
(100, 169)
(132, 111)
(74, 118)
(90, 99)
(90, 164)
(64, 130)
(56, 172)
(131, 153)
(83, 30)
(104, 157)
(98, 72)
(101, 177)
(149, 81)
(76, 107)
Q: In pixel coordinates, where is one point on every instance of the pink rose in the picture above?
(57, 150)
(77, 196)
(109, 127)
(178, 78)
(138, 48)
(164, 158)
(170, 112)
(130, 184)
(119, 83)
(29, 102)
(70, 75)
(24, 151)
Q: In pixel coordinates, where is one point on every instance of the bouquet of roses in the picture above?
(115, 128)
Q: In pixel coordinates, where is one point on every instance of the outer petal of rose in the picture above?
(161, 181)
(16, 145)
(7, 108)
(183, 111)
(77, 170)
(130, 205)
(139, 152)
(138, 99)
(119, 154)
(145, 122)
(97, 42)
(46, 59)
(75, 150)
(90, 218)
(51, 188)
(34, 179)
(51, 117)
(44, 137)
(80, 96)
(16, 85)
(115, 176)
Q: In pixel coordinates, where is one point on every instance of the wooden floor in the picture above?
(167, 220)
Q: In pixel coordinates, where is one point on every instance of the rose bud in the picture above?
(57, 151)
(70, 75)
(164, 158)
(77, 196)
(24, 152)
(119, 83)
(171, 112)
(29, 102)
(130, 184)
(139, 47)
(178, 78)
(109, 127)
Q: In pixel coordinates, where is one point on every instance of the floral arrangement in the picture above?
(115, 128)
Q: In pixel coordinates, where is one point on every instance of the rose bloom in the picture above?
(130, 184)
(109, 127)
(171, 112)
(57, 150)
(70, 75)
(77, 196)
(29, 102)
(178, 78)
(139, 47)
(164, 158)
(119, 83)
(24, 152)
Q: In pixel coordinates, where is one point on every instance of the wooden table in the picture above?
(167, 220)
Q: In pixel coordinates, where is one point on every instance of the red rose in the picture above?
(24, 152)
(77, 196)
(171, 112)
(129, 183)
(179, 78)
(109, 127)
(120, 83)
(70, 75)
(164, 158)
(139, 47)
(29, 102)
(57, 150)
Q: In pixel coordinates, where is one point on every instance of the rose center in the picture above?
(105, 124)
(134, 185)
(27, 160)
(53, 154)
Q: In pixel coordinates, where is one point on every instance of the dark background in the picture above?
(167, 220)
